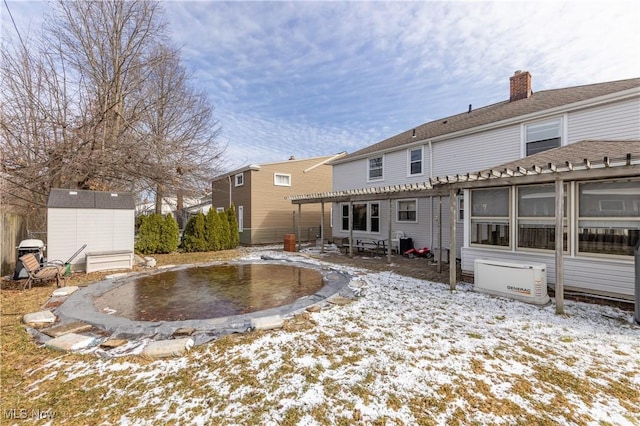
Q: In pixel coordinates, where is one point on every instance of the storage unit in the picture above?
(109, 260)
(104, 221)
(520, 281)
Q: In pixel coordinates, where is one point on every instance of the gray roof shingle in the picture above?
(576, 153)
(83, 199)
(537, 102)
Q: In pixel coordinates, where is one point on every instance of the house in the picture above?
(96, 227)
(191, 206)
(258, 194)
(405, 183)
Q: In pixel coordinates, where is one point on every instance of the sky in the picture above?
(308, 79)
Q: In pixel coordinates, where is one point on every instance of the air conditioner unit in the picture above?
(520, 281)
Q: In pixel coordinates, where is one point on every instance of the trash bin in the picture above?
(289, 242)
(25, 247)
(405, 244)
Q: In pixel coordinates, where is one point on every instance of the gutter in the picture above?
(587, 103)
(328, 160)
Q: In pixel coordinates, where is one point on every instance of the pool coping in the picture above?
(79, 305)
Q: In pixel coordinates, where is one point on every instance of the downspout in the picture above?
(229, 178)
(431, 196)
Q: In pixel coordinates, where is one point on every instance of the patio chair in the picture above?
(395, 241)
(49, 271)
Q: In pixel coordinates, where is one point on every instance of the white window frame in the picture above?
(542, 219)
(527, 126)
(239, 179)
(408, 200)
(491, 220)
(409, 162)
(460, 209)
(351, 216)
(281, 175)
(240, 218)
(609, 221)
(369, 169)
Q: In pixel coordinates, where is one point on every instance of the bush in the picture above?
(234, 235)
(225, 234)
(213, 230)
(194, 234)
(169, 235)
(148, 240)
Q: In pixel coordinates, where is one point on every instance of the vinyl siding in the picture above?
(352, 175)
(268, 215)
(607, 277)
(476, 152)
(609, 122)
(100, 229)
(272, 210)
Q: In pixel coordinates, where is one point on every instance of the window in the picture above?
(609, 217)
(407, 211)
(280, 179)
(345, 217)
(375, 168)
(240, 218)
(415, 161)
(366, 217)
(490, 216)
(374, 225)
(239, 179)
(542, 136)
(536, 217)
(219, 209)
(460, 214)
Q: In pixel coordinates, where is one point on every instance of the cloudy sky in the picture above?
(316, 78)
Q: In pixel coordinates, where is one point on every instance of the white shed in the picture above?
(104, 221)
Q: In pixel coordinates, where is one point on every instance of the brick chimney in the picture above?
(520, 86)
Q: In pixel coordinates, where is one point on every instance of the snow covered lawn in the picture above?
(407, 352)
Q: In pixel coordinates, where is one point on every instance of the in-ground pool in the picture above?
(209, 292)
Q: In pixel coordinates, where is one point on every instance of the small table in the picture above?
(371, 245)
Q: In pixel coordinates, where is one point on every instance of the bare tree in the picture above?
(181, 150)
(102, 102)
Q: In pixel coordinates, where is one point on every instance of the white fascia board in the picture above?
(576, 106)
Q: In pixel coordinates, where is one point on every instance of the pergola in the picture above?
(563, 168)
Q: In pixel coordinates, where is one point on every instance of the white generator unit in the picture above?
(526, 282)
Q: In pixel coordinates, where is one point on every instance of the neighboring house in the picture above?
(191, 206)
(397, 178)
(258, 194)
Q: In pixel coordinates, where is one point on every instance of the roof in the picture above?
(576, 153)
(536, 103)
(321, 160)
(581, 160)
(83, 199)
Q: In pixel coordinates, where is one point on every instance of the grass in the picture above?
(251, 378)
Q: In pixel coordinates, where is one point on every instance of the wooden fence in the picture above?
(13, 229)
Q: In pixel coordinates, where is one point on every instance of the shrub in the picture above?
(213, 230)
(169, 235)
(148, 240)
(225, 234)
(194, 234)
(234, 235)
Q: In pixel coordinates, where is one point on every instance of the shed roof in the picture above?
(538, 102)
(84, 199)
